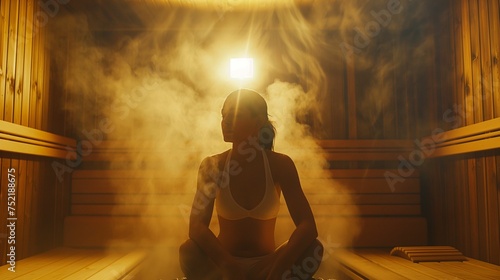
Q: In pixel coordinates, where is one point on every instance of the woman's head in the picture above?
(244, 115)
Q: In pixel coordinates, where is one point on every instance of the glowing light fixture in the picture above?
(241, 68)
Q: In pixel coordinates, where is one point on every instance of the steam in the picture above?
(163, 87)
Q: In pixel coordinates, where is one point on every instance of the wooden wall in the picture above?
(28, 109)
(462, 188)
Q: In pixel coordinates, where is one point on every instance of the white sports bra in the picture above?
(229, 209)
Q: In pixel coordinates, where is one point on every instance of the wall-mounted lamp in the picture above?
(241, 68)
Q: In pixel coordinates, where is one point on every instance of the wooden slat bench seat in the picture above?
(71, 263)
(379, 264)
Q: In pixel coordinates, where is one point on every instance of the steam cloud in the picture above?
(163, 87)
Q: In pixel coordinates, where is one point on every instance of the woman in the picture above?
(244, 184)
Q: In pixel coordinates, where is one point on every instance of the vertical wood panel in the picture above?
(26, 92)
(492, 208)
(30, 172)
(482, 209)
(338, 102)
(351, 99)
(10, 70)
(494, 17)
(34, 88)
(467, 78)
(476, 100)
(4, 42)
(24, 99)
(485, 80)
(465, 189)
(19, 61)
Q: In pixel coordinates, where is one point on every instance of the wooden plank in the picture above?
(390, 264)
(72, 263)
(365, 186)
(173, 209)
(484, 265)
(143, 199)
(476, 92)
(351, 99)
(34, 211)
(124, 186)
(338, 101)
(429, 272)
(26, 87)
(453, 269)
(47, 269)
(365, 267)
(473, 206)
(482, 215)
(367, 173)
(33, 263)
(462, 206)
(481, 270)
(494, 16)
(71, 270)
(467, 60)
(21, 139)
(19, 78)
(22, 192)
(4, 44)
(121, 266)
(34, 88)
(124, 174)
(10, 70)
(313, 198)
(492, 204)
(39, 112)
(28, 206)
(45, 78)
(458, 31)
(485, 79)
(147, 174)
(90, 269)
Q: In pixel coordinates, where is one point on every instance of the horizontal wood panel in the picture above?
(173, 210)
(97, 231)
(410, 185)
(118, 186)
(332, 150)
(19, 139)
(148, 174)
(476, 137)
(153, 199)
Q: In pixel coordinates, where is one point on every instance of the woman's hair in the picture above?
(256, 104)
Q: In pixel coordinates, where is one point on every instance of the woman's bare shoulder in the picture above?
(280, 161)
(215, 160)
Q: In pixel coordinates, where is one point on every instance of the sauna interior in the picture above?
(389, 108)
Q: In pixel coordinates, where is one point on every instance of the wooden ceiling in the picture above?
(139, 14)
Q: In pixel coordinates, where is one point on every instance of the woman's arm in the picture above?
(298, 206)
(201, 214)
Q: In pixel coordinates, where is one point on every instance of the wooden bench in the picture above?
(379, 264)
(71, 263)
(122, 206)
(20, 139)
